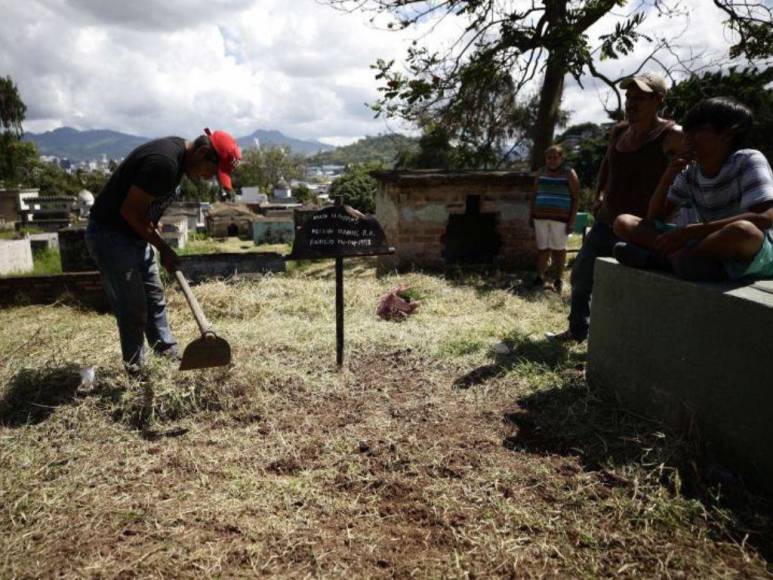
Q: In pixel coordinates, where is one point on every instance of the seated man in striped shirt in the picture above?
(730, 190)
(552, 212)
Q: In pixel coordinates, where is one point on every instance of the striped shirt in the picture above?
(744, 181)
(553, 199)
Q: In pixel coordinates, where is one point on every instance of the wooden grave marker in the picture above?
(339, 232)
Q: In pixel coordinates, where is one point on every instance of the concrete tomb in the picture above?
(174, 230)
(73, 251)
(692, 355)
(438, 219)
(15, 256)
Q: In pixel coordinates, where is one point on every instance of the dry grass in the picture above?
(427, 455)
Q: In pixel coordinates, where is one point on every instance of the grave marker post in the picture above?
(339, 232)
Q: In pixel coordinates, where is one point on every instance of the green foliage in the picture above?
(434, 152)
(586, 161)
(623, 39)
(385, 149)
(53, 180)
(302, 193)
(94, 181)
(46, 262)
(198, 236)
(17, 159)
(588, 129)
(12, 108)
(267, 166)
(357, 187)
(748, 86)
(751, 24)
(197, 190)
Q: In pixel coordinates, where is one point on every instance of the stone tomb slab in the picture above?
(15, 257)
(691, 355)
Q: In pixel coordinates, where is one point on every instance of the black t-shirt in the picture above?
(155, 167)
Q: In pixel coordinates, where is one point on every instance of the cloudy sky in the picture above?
(158, 67)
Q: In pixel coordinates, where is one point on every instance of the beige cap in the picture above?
(648, 82)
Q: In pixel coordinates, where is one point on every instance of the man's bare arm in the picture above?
(660, 208)
(675, 149)
(674, 144)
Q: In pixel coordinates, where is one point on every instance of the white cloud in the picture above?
(153, 67)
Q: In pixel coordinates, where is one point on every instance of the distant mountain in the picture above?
(277, 139)
(85, 145)
(383, 148)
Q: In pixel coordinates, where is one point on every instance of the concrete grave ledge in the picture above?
(86, 287)
(691, 355)
(199, 267)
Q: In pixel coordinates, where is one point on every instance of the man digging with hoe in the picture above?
(124, 225)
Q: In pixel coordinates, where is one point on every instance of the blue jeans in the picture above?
(598, 244)
(130, 277)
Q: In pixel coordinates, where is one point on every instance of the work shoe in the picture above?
(565, 336)
(170, 354)
(135, 370)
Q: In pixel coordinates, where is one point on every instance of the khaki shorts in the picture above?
(551, 235)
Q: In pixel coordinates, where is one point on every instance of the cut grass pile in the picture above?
(427, 455)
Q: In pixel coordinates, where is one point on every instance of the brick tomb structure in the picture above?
(230, 220)
(436, 219)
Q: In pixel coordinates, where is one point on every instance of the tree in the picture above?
(434, 152)
(302, 193)
(357, 187)
(586, 156)
(586, 162)
(16, 157)
(477, 85)
(197, 190)
(381, 148)
(267, 166)
(12, 108)
(750, 21)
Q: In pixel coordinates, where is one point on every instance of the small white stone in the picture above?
(501, 348)
(87, 376)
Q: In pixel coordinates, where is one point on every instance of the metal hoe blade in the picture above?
(208, 351)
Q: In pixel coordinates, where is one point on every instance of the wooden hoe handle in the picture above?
(201, 320)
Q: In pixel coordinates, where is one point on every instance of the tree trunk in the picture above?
(552, 88)
(547, 115)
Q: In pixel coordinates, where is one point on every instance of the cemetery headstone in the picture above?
(339, 232)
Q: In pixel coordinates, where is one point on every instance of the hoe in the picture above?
(208, 351)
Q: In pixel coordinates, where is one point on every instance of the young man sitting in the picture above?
(729, 189)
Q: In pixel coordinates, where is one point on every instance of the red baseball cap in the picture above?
(228, 152)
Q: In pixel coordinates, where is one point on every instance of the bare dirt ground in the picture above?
(428, 455)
